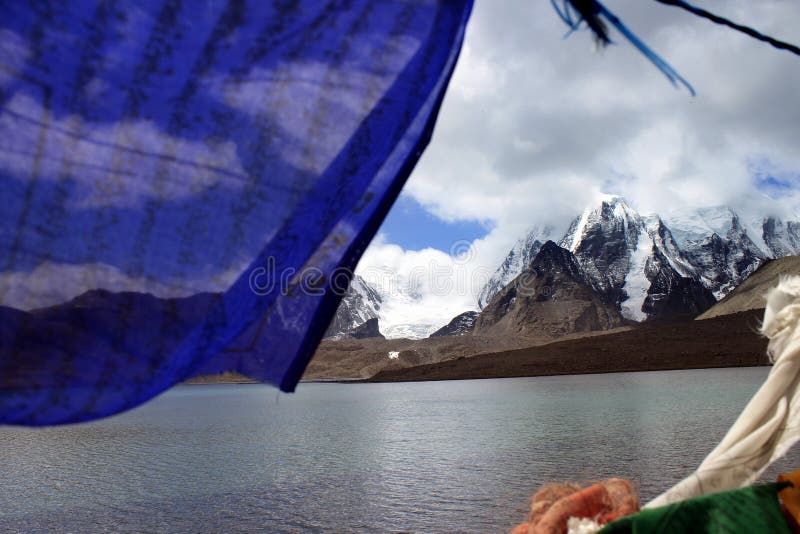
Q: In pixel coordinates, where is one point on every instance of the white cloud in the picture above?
(559, 114)
(422, 290)
(534, 126)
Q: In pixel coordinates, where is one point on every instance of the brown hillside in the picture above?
(750, 294)
(725, 341)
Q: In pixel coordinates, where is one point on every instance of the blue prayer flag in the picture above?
(187, 186)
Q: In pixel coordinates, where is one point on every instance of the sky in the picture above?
(414, 227)
(535, 126)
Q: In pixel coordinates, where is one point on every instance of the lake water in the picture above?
(436, 457)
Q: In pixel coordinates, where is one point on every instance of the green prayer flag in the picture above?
(752, 509)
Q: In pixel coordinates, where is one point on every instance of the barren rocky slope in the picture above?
(551, 298)
(725, 341)
(751, 293)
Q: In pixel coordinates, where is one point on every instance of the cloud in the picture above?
(422, 290)
(534, 126)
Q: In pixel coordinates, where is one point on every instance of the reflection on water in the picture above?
(436, 456)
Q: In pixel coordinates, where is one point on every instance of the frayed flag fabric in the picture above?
(187, 186)
(593, 13)
(769, 425)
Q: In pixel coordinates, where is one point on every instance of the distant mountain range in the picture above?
(613, 266)
(552, 297)
(649, 266)
(358, 312)
(725, 335)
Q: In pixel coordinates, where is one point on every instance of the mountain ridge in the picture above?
(651, 266)
(751, 294)
(358, 312)
(551, 298)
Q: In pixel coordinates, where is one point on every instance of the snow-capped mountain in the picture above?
(633, 261)
(717, 245)
(552, 297)
(647, 266)
(610, 243)
(358, 312)
(461, 324)
(672, 284)
(520, 256)
(652, 266)
(780, 238)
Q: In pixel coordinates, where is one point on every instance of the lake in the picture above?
(432, 456)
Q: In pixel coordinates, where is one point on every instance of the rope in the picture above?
(730, 24)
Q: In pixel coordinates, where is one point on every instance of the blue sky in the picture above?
(412, 227)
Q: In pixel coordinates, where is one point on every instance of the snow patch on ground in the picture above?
(636, 282)
(394, 354)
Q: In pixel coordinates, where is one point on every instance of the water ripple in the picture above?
(431, 457)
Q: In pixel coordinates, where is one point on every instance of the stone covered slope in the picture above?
(350, 358)
(725, 341)
(461, 324)
(551, 298)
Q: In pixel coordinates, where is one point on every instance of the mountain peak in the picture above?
(693, 224)
(548, 299)
(354, 316)
(609, 199)
(553, 258)
(651, 265)
(619, 206)
(609, 210)
(517, 260)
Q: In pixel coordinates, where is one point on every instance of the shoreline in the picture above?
(719, 342)
(725, 341)
(380, 380)
(392, 380)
